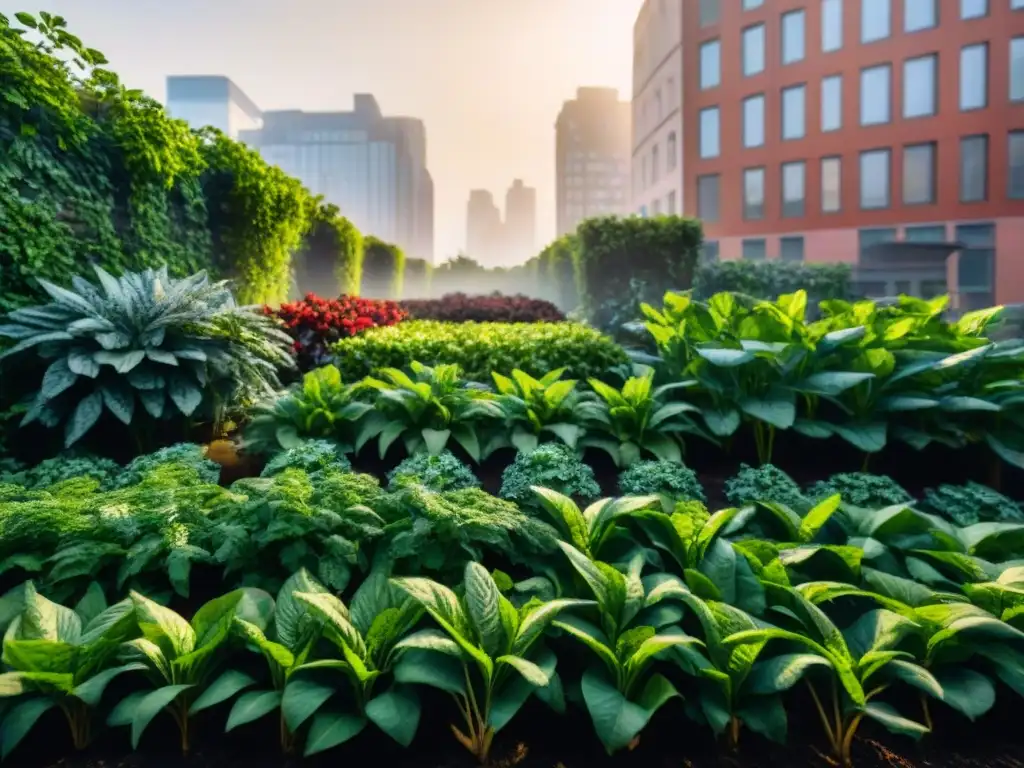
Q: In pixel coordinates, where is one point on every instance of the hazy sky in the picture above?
(487, 76)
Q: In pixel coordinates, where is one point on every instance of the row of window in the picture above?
(650, 165)
(920, 97)
(875, 180)
(876, 21)
(656, 209)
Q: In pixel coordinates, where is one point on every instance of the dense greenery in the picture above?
(480, 349)
(331, 260)
(383, 269)
(772, 279)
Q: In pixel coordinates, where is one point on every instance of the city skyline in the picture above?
(480, 76)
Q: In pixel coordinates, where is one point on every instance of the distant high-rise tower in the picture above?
(202, 100)
(520, 223)
(592, 154)
(483, 227)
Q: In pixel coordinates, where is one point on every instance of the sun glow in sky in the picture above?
(487, 76)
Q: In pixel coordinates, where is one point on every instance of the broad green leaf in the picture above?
(223, 688)
(616, 719)
(212, 622)
(915, 676)
(435, 440)
(18, 721)
(538, 620)
(337, 618)
(251, 706)
(530, 672)
(397, 713)
(150, 705)
(292, 618)
(43, 619)
(781, 673)
(482, 599)
(893, 720)
(591, 636)
(91, 691)
(429, 640)
(166, 629)
(330, 729)
(818, 516)
(428, 668)
(970, 693)
(302, 697)
(513, 694)
(564, 511)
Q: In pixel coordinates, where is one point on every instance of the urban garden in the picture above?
(257, 508)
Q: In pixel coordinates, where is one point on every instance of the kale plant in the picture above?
(861, 489)
(443, 472)
(184, 454)
(309, 455)
(552, 466)
(668, 479)
(61, 468)
(972, 503)
(765, 483)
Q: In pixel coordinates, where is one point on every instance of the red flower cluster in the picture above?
(316, 323)
(495, 308)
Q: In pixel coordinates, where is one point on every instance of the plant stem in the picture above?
(846, 757)
(832, 738)
(734, 732)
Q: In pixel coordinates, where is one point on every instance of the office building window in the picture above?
(755, 249)
(708, 12)
(919, 14)
(749, 5)
(710, 64)
(974, 77)
(874, 179)
(709, 129)
(831, 25)
(753, 121)
(671, 207)
(873, 236)
(1017, 69)
(973, 169)
(753, 193)
(655, 165)
(919, 174)
(793, 189)
(707, 197)
(875, 20)
(794, 119)
(831, 181)
(709, 251)
(920, 86)
(973, 9)
(793, 48)
(671, 151)
(926, 233)
(1016, 164)
(832, 103)
(791, 248)
(753, 50)
(875, 95)
(976, 265)
(1017, 5)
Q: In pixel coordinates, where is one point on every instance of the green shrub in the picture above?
(764, 483)
(147, 347)
(331, 260)
(771, 279)
(624, 262)
(862, 489)
(668, 479)
(552, 466)
(56, 470)
(310, 456)
(186, 454)
(971, 503)
(416, 282)
(383, 269)
(480, 349)
(443, 472)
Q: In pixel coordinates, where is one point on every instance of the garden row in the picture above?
(385, 599)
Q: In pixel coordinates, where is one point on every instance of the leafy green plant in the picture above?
(864, 660)
(487, 653)
(178, 657)
(443, 472)
(177, 348)
(50, 472)
(321, 407)
(639, 419)
(764, 483)
(480, 349)
(670, 481)
(309, 456)
(553, 466)
(970, 504)
(533, 407)
(58, 657)
(621, 695)
(186, 454)
(428, 409)
(862, 489)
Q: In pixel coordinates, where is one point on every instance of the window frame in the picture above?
(984, 47)
(802, 165)
(825, 18)
(716, 178)
(792, 239)
(1019, 82)
(838, 160)
(718, 131)
(800, 13)
(764, 192)
(795, 88)
(887, 68)
(885, 152)
(1017, 135)
(743, 49)
(932, 148)
(706, 45)
(864, 15)
(838, 126)
(936, 18)
(984, 14)
(764, 110)
(985, 142)
(934, 59)
(754, 241)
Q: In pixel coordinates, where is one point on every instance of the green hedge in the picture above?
(771, 279)
(557, 273)
(480, 348)
(624, 262)
(383, 269)
(417, 280)
(331, 260)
